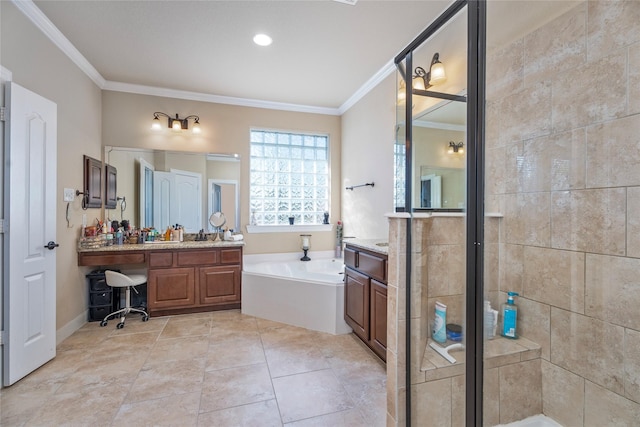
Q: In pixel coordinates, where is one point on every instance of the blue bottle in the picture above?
(510, 317)
(439, 332)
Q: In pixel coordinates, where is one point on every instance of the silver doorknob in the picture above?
(51, 245)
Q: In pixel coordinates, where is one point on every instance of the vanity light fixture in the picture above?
(423, 80)
(456, 147)
(177, 124)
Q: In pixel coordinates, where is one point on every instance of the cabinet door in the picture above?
(92, 183)
(110, 187)
(171, 288)
(356, 302)
(378, 325)
(219, 284)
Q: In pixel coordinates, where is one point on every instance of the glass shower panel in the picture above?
(561, 203)
(436, 306)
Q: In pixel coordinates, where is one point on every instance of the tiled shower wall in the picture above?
(563, 166)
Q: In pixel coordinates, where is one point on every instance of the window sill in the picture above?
(256, 229)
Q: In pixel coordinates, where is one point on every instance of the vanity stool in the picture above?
(119, 280)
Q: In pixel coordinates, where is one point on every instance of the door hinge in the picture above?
(3, 226)
(3, 112)
(3, 337)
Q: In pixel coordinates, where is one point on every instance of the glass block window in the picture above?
(289, 177)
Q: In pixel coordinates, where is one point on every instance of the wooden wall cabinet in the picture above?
(366, 297)
(92, 182)
(187, 281)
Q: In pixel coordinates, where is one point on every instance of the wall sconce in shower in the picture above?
(455, 147)
(177, 124)
(423, 80)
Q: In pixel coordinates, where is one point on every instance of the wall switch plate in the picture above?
(69, 194)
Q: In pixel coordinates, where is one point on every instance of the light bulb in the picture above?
(196, 128)
(176, 125)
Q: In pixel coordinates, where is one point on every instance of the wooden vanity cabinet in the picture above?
(191, 280)
(366, 297)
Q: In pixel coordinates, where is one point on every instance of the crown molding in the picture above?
(40, 20)
(5, 74)
(31, 11)
(218, 99)
(374, 81)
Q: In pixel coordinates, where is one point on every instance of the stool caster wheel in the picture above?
(103, 323)
(145, 318)
(120, 325)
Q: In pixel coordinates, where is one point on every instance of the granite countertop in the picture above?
(380, 246)
(192, 244)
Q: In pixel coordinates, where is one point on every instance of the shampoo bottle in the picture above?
(439, 332)
(510, 317)
(489, 321)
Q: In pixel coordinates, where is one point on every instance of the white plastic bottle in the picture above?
(490, 321)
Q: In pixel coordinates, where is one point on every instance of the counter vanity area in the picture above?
(183, 277)
(365, 291)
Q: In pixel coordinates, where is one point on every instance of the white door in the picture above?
(188, 200)
(145, 207)
(164, 194)
(30, 215)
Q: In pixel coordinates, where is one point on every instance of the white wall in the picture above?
(367, 155)
(37, 64)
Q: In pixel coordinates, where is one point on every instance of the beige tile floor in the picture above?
(208, 369)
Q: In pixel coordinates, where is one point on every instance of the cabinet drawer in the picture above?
(194, 258)
(100, 298)
(98, 284)
(126, 257)
(350, 258)
(99, 313)
(373, 266)
(161, 259)
(231, 256)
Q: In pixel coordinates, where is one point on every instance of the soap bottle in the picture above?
(510, 317)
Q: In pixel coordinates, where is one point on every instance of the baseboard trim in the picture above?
(67, 330)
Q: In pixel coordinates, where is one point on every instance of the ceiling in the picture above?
(323, 53)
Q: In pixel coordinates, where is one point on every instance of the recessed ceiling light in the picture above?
(262, 40)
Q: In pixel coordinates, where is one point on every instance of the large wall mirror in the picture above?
(439, 169)
(163, 188)
(437, 117)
